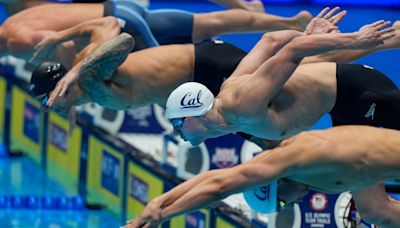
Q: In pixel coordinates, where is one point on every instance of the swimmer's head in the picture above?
(45, 77)
(190, 99)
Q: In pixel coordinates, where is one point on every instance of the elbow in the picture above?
(272, 41)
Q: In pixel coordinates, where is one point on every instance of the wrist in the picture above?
(354, 40)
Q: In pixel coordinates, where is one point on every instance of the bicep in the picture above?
(266, 47)
(265, 168)
(265, 83)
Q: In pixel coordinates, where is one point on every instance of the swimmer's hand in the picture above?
(150, 217)
(62, 86)
(373, 35)
(325, 21)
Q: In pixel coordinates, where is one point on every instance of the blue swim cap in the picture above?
(264, 198)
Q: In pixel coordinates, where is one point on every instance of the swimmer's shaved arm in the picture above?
(171, 196)
(214, 185)
(266, 47)
(263, 169)
(370, 203)
(272, 42)
(87, 35)
(269, 78)
(347, 56)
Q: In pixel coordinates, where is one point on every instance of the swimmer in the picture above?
(340, 159)
(272, 96)
(20, 33)
(161, 69)
(101, 79)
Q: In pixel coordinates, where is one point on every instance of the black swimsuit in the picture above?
(365, 97)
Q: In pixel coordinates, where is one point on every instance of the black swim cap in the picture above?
(45, 77)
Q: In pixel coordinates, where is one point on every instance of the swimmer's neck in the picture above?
(217, 125)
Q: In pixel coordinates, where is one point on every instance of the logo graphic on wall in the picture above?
(140, 120)
(58, 137)
(138, 189)
(31, 122)
(110, 173)
(319, 201)
(225, 157)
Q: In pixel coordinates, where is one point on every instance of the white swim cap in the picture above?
(189, 99)
(264, 198)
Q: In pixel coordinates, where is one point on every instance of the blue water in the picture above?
(21, 177)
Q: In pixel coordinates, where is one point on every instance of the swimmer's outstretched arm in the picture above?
(216, 185)
(272, 42)
(266, 47)
(348, 56)
(87, 35)
(269, 78)
(377, 207)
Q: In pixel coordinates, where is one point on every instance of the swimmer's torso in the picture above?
(340, 162)
(306, 96)
(150, 75)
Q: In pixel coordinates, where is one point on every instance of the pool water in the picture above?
(20, 176)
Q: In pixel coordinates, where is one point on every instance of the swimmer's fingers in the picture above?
(333, 28)
(54, 96)
(323, 11)
(377, 23)
(337, 18)
(330, 13)
(64, 88)
(382, 25)
(385, 31)
(388, 36)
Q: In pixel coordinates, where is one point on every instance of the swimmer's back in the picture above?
(61, 16)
